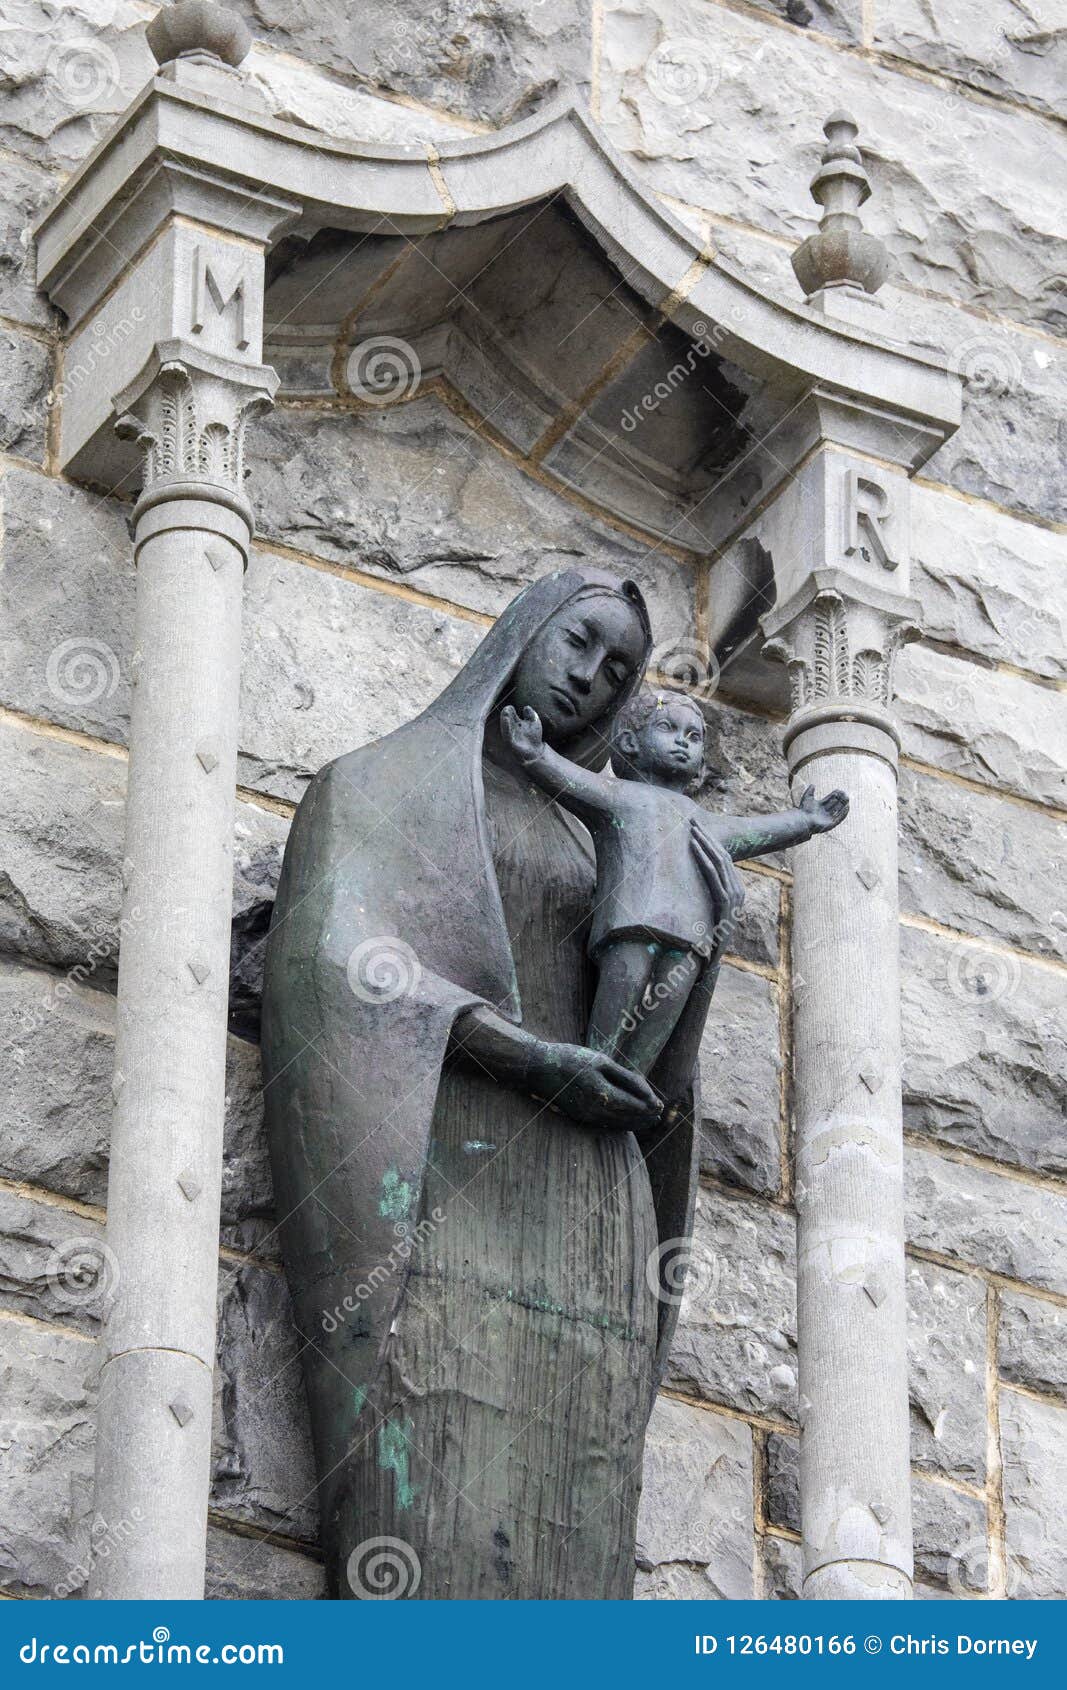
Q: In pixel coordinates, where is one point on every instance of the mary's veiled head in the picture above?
(581, 664)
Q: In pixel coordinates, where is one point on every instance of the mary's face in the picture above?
(579, 664)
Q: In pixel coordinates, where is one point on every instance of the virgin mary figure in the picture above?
(481, 1216)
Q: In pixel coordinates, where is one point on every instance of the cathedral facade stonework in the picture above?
(350, 429)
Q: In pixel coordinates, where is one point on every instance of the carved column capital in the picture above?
(838, 638)
(187, 412)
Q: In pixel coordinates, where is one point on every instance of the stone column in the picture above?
(838, 636)
(192, 531)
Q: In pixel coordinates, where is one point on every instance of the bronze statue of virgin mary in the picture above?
(476, 1208)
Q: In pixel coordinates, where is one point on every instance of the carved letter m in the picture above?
(230, 290)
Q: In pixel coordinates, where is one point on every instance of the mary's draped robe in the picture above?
(470, 1271)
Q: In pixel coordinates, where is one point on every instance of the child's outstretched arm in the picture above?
(587, 794)
(756, 837)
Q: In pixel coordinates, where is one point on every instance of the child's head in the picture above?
(659, 738)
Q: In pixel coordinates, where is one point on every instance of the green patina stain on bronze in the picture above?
(359, 1397)
(393, 1442)
(601, 1323)
(395, 1201)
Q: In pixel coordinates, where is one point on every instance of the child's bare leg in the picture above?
(665, 998)
(625, 970)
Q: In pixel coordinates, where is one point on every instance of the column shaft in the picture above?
(854, 1449)
(153, 1458)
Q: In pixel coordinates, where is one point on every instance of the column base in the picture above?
(857, 1581)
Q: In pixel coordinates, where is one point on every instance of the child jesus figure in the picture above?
(654, 918)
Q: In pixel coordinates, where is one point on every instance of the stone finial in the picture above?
(198, 29)
(840, 254)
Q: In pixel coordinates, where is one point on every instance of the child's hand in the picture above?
(522, 734)
(824, 813)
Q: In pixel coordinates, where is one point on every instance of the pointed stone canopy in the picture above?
(841, 254)
(529, 275)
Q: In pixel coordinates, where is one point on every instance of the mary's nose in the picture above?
(581, 674)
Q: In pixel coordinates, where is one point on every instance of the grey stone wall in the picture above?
(387, 543)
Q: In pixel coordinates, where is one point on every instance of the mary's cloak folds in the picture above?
(388, 876)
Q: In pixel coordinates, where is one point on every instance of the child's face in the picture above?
(669, 748)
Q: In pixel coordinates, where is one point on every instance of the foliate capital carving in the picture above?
(187, 412)
(838, 639)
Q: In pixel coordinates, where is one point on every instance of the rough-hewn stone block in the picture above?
(329, 665)
(263, 1468)
(1032, 1344)
(247, 1569)
(728, 117)
(756, 937)
(27, 366)
(411, 493)
(782, 1569)
(68, 73)
(51, 1264)
(1034, 1444)
(1019, 52)
(739, 1083)
(996, 728)
(66, 595)
(56, 1062)
(736, 1338)
(1015, 389)
(298, 91)
(843, 18)
(24, 192)
(951, 1541)
(949, 1526)
(946, 1371)
(55, 1066)
(985, 1052)
(493, 63)
(989, 583)
(978, 863)
(46, 1431)
(52, 1271)
(946, 1388)
(61, 843)
(694, 1530)
(1005, 1225)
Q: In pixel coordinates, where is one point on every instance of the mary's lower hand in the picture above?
(593, 1089)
